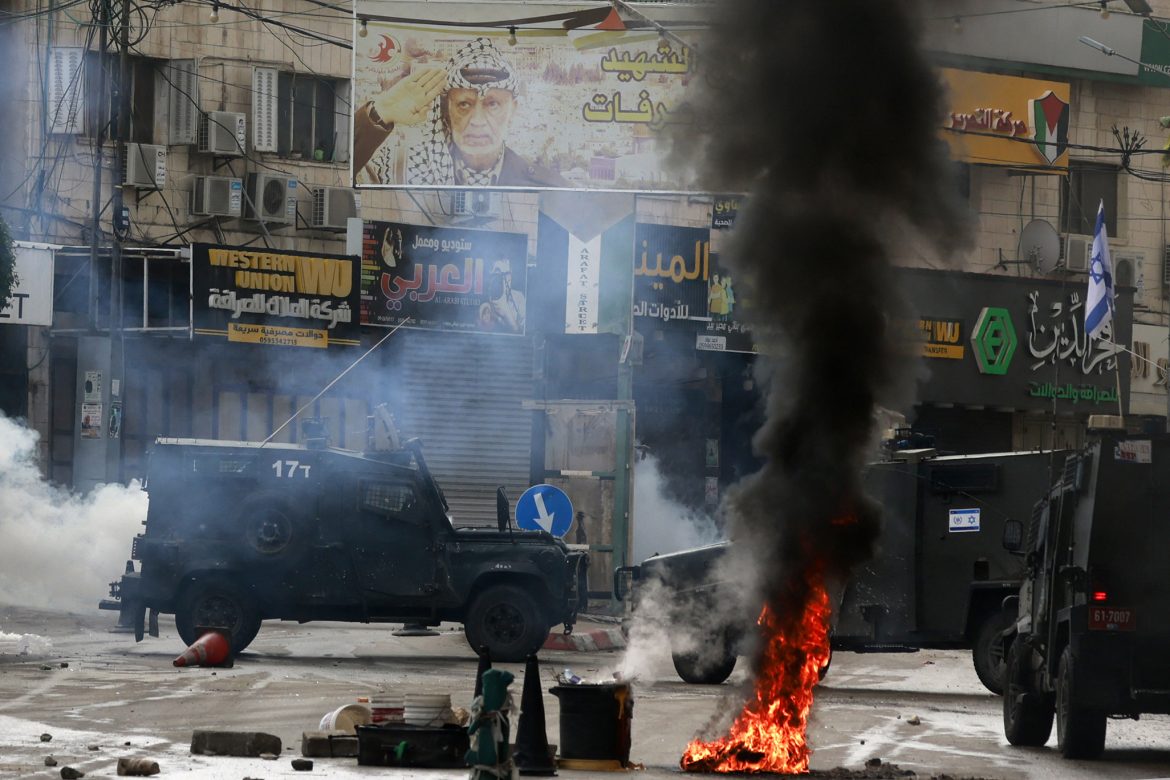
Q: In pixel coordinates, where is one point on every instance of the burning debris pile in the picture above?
(828, 120)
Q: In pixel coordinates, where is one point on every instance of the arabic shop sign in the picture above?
(724, 211)
(440, 278)
(1028, 349)
(725, 330)
(577, 110)
(1007, 120)
(275, 297)
(672, 268)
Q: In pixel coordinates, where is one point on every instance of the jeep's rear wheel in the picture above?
(1080, 732)
(217, 604)
(508, 621)
(710, 662)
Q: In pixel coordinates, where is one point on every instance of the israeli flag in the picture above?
(1099, 301)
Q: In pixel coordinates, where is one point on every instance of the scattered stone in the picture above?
(93, 747)
(863, 741)
(244, 744)
(329, 744)
(50, 761)
(64, 664)
(268, 756)
(914, 720)
(137, 767)
(69, 773)
(46, 737)
(873, 763)
(46, 668)
(302, 765)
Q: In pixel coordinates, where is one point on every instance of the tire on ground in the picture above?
(1080, 732)
(1027, 713)
(508, 620)
(705, 668)
(217, 603)
(987, 650)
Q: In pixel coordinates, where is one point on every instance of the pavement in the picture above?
(591, 634)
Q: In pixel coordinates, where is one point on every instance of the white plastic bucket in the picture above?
(346, 718)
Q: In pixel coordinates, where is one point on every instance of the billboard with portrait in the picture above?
(449, 106)
(443, 278)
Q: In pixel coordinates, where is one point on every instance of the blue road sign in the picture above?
(545, 508)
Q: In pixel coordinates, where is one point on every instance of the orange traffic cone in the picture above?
(212, 648)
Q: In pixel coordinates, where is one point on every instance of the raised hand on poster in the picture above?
(408, 101)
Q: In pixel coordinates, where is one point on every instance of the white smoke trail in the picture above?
(661, 524)
(59, 550)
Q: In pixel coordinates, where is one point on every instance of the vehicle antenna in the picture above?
(336, 379)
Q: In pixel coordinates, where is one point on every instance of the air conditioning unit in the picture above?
(1077, 251)
(271, 198)
(217, 196)
(1127, 269)
(222, 132)
(145, 166)
(474, 203)
(332, 206)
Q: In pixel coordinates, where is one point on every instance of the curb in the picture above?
(587, 641)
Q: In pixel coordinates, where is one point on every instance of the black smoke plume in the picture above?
(826, 115)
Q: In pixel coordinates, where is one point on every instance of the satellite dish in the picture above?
(1039, 246)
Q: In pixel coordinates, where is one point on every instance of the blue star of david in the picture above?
(1097, 270)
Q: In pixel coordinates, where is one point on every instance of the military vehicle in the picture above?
(939, 580)
(1092, 636)
(241, 532)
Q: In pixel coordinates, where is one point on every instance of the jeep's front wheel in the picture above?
(508, 621)
(217, 604)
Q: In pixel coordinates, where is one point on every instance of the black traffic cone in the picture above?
(532, 753)
(485, 663)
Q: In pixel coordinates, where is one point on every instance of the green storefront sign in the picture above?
(994, 341)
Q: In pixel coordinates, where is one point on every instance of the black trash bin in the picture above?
(595, 721)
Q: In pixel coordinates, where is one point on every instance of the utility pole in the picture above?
(102, 20)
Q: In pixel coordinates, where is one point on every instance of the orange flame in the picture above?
(769, 735)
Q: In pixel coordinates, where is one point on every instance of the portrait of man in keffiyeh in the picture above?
(469, 108)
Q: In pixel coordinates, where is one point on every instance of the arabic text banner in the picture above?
(672, 270)
(442, 278)
(275, 297)
(461, 107)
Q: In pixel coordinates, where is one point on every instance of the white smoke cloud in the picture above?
(661, 524)
(59, 550)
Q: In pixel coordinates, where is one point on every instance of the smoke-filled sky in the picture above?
(57, 549)
(826, 115)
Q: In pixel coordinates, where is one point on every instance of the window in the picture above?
(1082, 191)
(389, 498)
(137, 100)
(310, 115)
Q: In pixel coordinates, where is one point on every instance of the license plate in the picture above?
(1112, 619)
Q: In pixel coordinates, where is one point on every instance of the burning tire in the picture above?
(987, 651)
(1080, 732)
(217, 604)
(1027, 713)
(710, 668)
(508, 621)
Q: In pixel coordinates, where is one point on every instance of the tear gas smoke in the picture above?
(60, 550)
(662, 524)
(829, 121)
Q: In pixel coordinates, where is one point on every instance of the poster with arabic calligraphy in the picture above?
(672, 267)
(274, 297)
(442, 278)
(462, 107)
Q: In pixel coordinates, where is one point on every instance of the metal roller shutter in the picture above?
(462, 394)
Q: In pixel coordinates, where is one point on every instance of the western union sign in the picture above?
(941, 338)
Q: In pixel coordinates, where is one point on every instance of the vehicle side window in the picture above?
(389, 498)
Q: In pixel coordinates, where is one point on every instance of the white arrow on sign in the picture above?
(543, 518)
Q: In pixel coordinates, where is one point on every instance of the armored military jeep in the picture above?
(240, 532)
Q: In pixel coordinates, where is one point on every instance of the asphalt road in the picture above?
(126, 699)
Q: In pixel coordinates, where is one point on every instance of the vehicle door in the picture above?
(393, 539)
